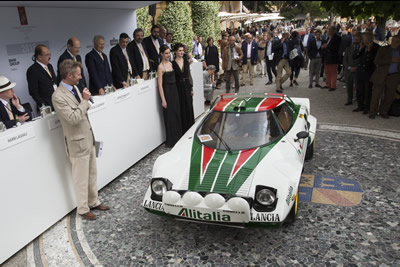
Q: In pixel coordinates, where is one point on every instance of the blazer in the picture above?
(382, 61)
(137, 57)
(64, 56)
(5, 118)
(366, 66)
(99, 71)
(349, 60)
(225, 55)
(277, 49)
(78, 133)
(40, 84)
(310, 38)
(313, 49)
(119, 65)
(254, 52)
(152, 51)
(332, 51)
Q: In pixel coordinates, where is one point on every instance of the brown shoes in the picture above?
(89, 216)
(101, 207)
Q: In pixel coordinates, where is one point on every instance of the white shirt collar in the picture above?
(98, 51)
(5, 103)
(70, 53)
(123, 49)
(41, 64)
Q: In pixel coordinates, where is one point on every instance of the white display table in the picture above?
(35, 185)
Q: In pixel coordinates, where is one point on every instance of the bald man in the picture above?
(72, 52)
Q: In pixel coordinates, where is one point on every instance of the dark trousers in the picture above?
(271, 68)
(350, 78)
(235, 74)
(295, 72)
(364, 91)
(385, 92)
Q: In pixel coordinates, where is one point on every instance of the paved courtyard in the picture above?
(348, 212)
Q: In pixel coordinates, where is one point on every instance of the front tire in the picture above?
(310, 150)
(293, 210)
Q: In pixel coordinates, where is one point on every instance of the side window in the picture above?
(285, 117)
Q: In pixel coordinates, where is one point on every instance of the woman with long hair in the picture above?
(169, 98)
(185, 87)
(297, 62)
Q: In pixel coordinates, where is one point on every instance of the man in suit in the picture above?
(153, 44)
(11, 111)
(378, 31)
(347, 39)
(98, 67)
(269, 56)
(350, 67)
(281, 60)
(315, 55)
(250, 56)
(42, 80)
(122, 63)
(140, 56)
(168, 42)
(72, 52)
(331, 58)
(72, 110)
(386, 78)
(305, 38)
(231, 57)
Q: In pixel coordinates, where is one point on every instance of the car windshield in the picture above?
(238, 131)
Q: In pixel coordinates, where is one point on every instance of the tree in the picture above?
(365, 9)
(205, 19)
(176, 18)
(143, 19)
(294, 8)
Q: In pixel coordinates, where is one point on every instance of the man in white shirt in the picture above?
(168, 42)
(305, 38)
(269, 56)
(11, 111)
(250, 56)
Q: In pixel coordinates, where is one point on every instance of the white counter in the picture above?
(35, 185)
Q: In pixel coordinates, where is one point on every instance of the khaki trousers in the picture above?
(385, 92)
(248, 68)
(145, 75)
(282, 65)
(84, 179)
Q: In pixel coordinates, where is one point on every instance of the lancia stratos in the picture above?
(239, 165)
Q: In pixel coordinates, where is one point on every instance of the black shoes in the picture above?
(325, 87)
(268, 83)
(279, 91)
(385, 116)
(357, 109)
(371, 116)
(291, 84)
(295, 82)
(310, 86)
(317, 85)
(348, 103)
(332, 89)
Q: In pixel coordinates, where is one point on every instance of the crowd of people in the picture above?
(353, 52)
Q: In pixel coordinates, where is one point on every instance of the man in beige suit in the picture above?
(72, 107)
(386, 78)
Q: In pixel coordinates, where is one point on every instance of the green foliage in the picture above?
(143, 19)
(205, 19)
(293, 8)
(176, 18)
(364, 9)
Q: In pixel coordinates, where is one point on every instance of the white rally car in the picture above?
(239, 165)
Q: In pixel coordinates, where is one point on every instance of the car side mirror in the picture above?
(301, 135)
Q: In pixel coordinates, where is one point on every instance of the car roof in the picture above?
(248, 102)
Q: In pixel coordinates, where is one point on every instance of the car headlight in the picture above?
(158, 187)
(265, 197)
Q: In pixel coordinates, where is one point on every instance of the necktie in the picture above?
(74, 58)
(10, 114)
(76, 94)
(156, 46)
(101, 55)
(127, 60)
(48, 72)
(146, 60)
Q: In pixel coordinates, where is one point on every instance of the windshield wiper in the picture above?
(222, 141)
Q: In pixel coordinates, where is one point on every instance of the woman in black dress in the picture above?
(211, 56)
(297, 62)
(169, 98)
(185, 87)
